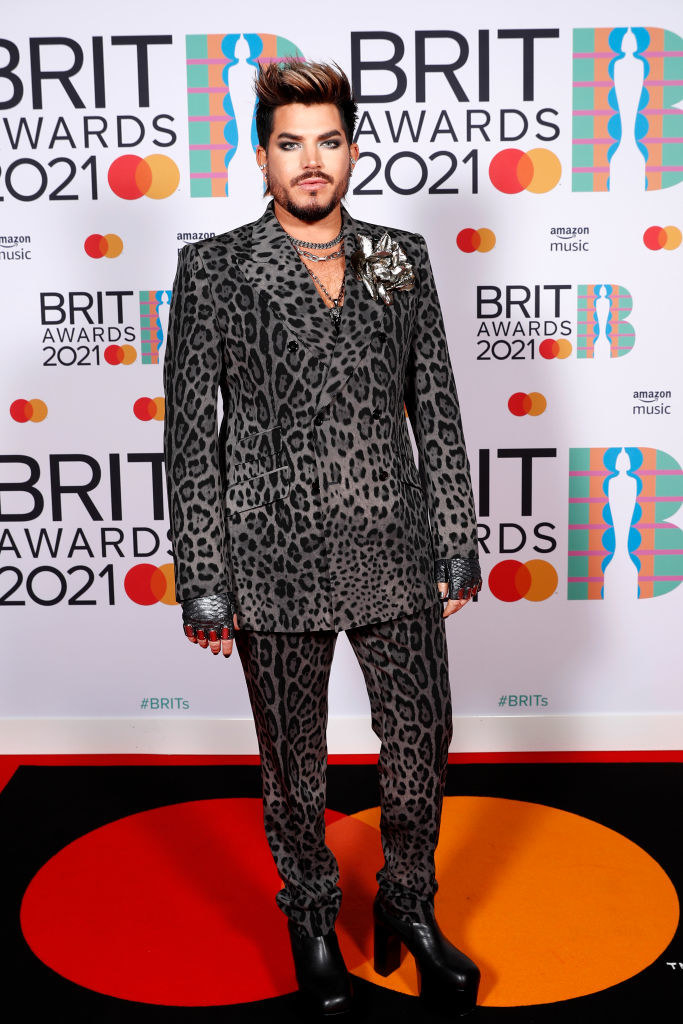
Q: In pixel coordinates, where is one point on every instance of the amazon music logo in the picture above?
(15, 247)
(569, 239)
(651, 403)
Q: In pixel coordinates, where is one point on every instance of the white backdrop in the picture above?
(590, 626)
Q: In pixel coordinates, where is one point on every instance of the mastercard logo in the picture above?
(97, 246)
(535, 580)
(662, 238)
(148, 584)
(155, 176)
(513, 170)
(25, 410)
(521, 404)
(471, 240)
(555, 348)
(120, 355)
(149, 409)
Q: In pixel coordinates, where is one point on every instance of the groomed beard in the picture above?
(313, 212)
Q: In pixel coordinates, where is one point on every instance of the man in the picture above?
(306, 515)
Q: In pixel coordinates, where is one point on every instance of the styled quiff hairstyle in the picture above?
(295, 80)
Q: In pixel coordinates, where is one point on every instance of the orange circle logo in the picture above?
(149, 408)
(535, 580)
(513, 170)
(155, 176)
(97, 246)
(521, 404)
(469, 240)
(28, 411)
(662, 238)
(572, 886)
(119, 355)
(555, 348)
(147, 584)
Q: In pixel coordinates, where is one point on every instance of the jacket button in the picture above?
(378, 336)
(292, 345)
(319, 419)
(376, 413)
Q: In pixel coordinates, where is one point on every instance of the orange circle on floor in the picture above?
(549, 904)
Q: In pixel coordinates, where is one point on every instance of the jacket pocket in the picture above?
(258, 490)
(255, 454)
(258, 444)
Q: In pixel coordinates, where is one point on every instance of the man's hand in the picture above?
(458, 579)
(212, 640)
(451, 606)
(206, 618)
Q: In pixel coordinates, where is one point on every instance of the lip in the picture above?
(311, 183)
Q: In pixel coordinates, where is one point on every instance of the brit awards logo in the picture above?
(602, 325)
(552, 321)
(212, 123)
(620, 543)
(626, 131)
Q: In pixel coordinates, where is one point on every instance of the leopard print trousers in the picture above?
(405, 666)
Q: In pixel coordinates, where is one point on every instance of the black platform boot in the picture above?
(324, 982)
(449, 980)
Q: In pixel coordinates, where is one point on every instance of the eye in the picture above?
(334, 143)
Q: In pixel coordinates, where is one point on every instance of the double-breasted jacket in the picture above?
(305, 500)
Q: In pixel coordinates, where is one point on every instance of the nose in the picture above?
(310, 155)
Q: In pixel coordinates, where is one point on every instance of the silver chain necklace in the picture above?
(318, 245)
(320, 259)
(335, 310)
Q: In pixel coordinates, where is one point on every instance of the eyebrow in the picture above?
(299, 138)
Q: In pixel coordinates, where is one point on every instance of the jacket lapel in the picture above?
(275, 268)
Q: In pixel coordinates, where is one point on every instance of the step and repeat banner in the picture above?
(538, 148)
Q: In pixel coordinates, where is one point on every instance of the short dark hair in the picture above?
(295, 80)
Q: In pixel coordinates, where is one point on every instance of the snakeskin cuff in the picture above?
(211, 611)
(463, 576)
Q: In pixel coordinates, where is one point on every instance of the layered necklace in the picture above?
(300, 247)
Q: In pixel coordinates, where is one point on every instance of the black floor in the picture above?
(43, 808)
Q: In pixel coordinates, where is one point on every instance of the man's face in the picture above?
(308, 163)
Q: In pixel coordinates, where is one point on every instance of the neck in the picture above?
(319, 231)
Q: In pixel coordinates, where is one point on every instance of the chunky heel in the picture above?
(446, 998)
(448, 979)
(387, 950)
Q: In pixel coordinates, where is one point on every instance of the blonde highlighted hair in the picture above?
(295, 80)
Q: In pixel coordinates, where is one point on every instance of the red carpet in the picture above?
(171, 905)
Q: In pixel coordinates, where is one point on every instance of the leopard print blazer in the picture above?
(307, 502)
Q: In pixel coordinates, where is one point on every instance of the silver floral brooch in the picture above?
(384, 268)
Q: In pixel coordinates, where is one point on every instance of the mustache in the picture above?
(324, 177)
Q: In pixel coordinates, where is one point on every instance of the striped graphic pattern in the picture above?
(212, 130)
(654, 545)
(212, 127)
(596, 122)
(619, 334)
(151, 330)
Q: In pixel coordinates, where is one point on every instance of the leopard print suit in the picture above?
(307, 503)
(405, 665)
